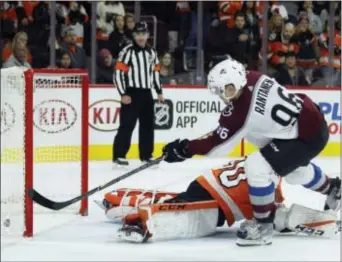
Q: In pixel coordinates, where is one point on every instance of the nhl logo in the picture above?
(163, 115)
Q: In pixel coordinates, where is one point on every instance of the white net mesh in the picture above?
(12, 148)
(57, 129)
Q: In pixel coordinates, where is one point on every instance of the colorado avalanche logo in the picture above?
(228, 109)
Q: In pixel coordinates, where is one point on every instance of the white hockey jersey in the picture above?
(264, 111)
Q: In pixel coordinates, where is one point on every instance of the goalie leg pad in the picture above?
(122, 202)
(308, 221)
(177, 220)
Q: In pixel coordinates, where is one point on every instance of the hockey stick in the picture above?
(43, 201)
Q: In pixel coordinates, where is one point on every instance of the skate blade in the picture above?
(118, 166)
(249, 243)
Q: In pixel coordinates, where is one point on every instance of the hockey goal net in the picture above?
(44, 145)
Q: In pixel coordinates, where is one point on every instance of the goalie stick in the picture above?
(45, 202)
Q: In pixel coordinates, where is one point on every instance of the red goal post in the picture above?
(32, 119)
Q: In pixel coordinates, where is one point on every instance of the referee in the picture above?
(136, 73)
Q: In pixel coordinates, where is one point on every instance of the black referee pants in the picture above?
(142, 109)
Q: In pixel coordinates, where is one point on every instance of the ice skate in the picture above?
(333, 200)
(145, 161)
(255, 234)
(120, 162)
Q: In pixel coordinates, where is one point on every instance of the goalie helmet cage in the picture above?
(50, 78)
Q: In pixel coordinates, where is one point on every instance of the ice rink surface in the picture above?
(61, 236)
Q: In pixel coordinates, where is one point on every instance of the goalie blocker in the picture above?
(217, 196)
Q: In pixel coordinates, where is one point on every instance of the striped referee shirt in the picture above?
(137, 67)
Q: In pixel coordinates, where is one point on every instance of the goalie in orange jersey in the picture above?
(215, 197)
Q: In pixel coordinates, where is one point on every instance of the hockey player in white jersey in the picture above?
(288, 129)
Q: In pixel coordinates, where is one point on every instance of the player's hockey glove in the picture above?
(176, 151)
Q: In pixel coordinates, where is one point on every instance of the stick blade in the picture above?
(43, 201)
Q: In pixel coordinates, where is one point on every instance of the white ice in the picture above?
(92, 238)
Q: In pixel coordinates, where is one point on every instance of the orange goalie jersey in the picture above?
(229, 187)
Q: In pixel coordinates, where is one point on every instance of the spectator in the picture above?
(321, 8)
(183, 17)
(281, 10)
(8, 20)
(291, 7)
(24, 13)
(105, 68)
(74, 17)
(323, 42)
(65, 61)
(166, 69)
(20, 37)
(275, 24)
(130, 24)
(308, 50)
(191, 40)
(252, 23)
(239, 36)
(281, 43)
(290, 74)
(118, 38)
(229, 41)
(228, 10)
(18, 57)
(76, 53)
(106, 11)
(314, 19)
(249, 8)
(8, 11)
(41, 25)
(217, 43)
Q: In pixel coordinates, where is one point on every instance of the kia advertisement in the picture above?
(54, 116)
(104, 115)
(7, 117)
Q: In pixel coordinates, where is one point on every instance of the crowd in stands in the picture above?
(297, 49)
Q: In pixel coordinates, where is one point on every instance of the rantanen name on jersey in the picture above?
(262, 95)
